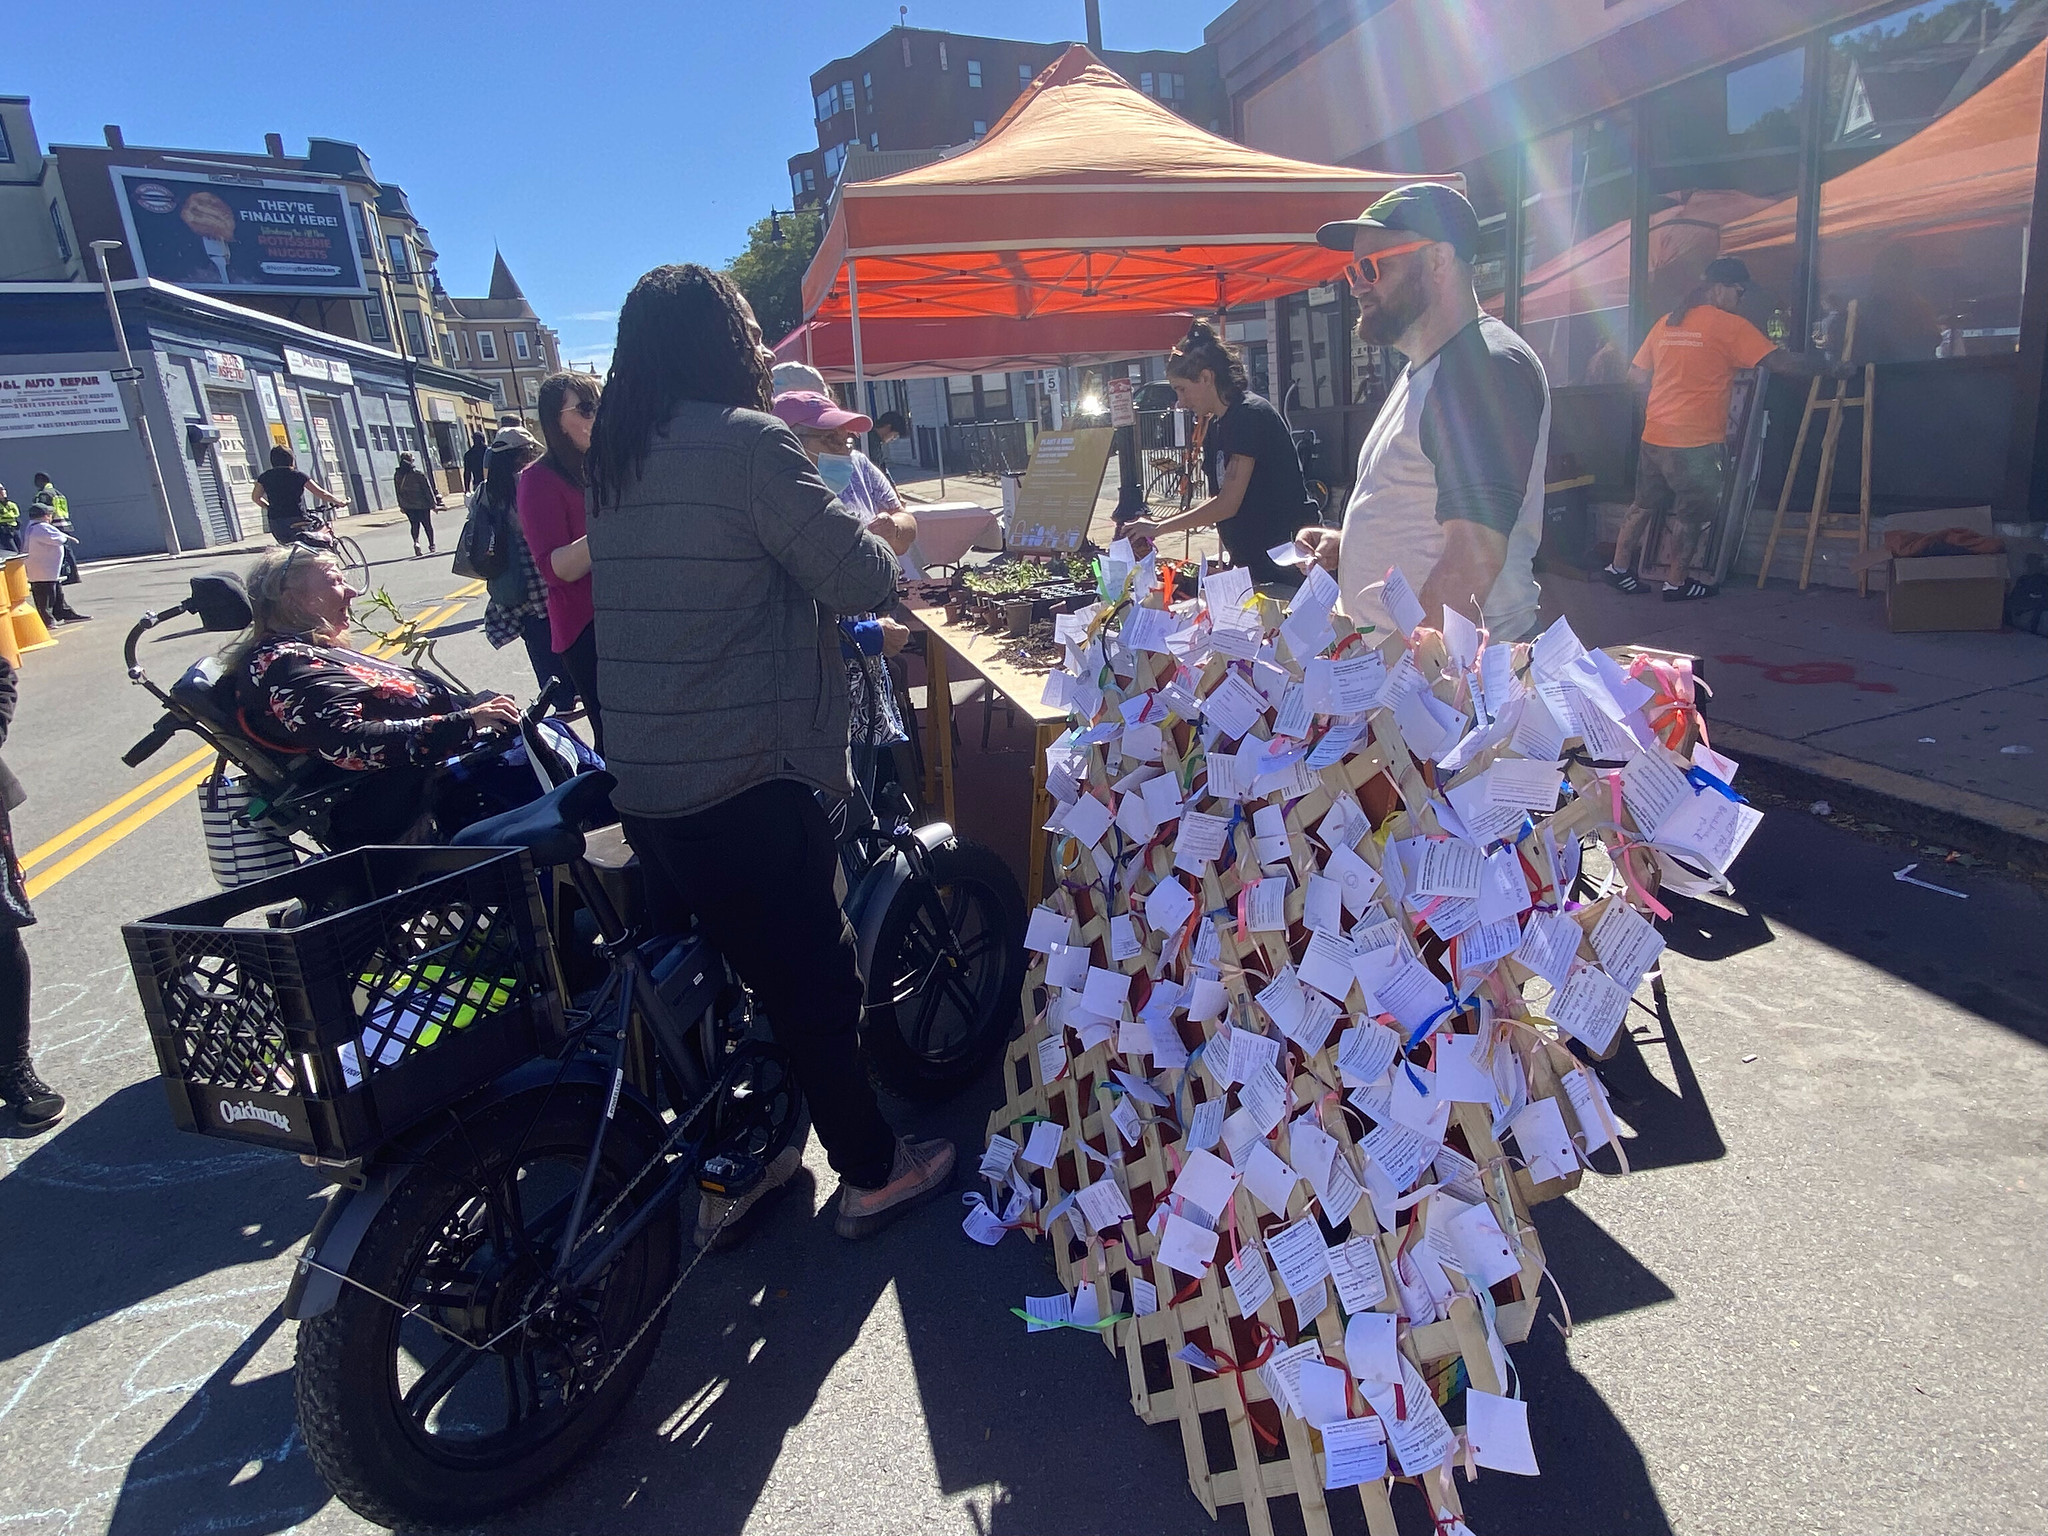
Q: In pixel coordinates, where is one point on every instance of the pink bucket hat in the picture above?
(821, 413)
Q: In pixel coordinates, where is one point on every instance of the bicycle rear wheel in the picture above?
(354, 562)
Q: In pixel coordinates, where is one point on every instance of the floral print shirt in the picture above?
(353, 710)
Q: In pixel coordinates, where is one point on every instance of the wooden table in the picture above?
(946, 644)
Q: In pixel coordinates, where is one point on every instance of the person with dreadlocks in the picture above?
(719, 561)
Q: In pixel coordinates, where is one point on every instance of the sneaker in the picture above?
(721, 1223)
(1691, 592)
(921, 1171)
(35, 1103)
(74, 618)
(1621, 581)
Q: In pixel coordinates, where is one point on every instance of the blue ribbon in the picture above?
(1702, 779)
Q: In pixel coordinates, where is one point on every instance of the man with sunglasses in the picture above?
(1450, 478)
(1687, 366)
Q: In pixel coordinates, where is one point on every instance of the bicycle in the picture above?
(486, 1286)
(320, 522)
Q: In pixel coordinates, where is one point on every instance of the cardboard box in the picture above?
(1944, 592)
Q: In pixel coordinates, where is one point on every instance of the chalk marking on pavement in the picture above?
(114, 807)
(86, 852)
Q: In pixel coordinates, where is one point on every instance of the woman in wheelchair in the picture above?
(303, 689)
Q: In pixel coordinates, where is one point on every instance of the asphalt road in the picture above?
(1812, 1305)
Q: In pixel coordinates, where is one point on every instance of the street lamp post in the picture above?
(132, 375)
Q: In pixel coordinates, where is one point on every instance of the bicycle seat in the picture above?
(549, 828)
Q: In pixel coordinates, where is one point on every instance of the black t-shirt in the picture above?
(1275, 506)
(284, 493)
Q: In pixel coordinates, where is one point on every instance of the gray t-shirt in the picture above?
(1464, 435)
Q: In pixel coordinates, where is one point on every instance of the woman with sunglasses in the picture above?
(551, 516)
(1257, 495)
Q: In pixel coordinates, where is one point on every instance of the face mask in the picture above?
(836, 470)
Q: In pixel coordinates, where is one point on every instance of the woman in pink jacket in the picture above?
(551, 517)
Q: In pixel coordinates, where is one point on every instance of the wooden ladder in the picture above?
(1820, 523)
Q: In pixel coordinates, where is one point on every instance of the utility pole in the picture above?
(130, 374)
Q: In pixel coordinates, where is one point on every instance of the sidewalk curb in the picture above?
(2014, 832)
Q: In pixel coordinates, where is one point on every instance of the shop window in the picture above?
(1723, 166)
(1577, 200)
(1930, 132)
(487, 348)
(974, 74)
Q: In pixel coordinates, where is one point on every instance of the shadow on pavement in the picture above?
(1672, 1126)
(138, 1209)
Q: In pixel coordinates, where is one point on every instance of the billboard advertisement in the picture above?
(49, 404)
(239, 236)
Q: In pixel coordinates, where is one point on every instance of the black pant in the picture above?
(422, 520)
(51, 602)
(580, 662)
(13, 999)
(546, 665)
(757, 871)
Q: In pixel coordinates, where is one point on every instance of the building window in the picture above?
(1023, 76)
(522, 348)
(1928, 143)
(834, 158)
(63, 240)
(974, 73)
(401, 263)
(875, 139)
(373, 316)
(444, 349)
(415, 332)
(906, 50)
(498, 393)
(1720, 149)
(462, 345)
(942, 53)
(980, 127)
(867, 87)
(828, 104)
(531, 389)
(810, 181)
(487, 348)
(846, 95)
(1577, 199)
(1145, 82)
(796, 183)
(362, 222)
(6, 149)
(960, 397)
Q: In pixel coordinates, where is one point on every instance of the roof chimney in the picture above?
(273, 144)
(114, 139)
(1095, 26)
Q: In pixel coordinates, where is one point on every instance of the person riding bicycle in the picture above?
(300, 684)
(281, 492)
(719, 560)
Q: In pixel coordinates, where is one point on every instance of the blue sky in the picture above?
(589, 142)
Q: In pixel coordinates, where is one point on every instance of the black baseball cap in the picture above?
(1426, 208)
(1727, 269)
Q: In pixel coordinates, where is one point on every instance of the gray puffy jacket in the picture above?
(717, 577)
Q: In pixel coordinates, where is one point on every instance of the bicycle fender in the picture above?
(870, 900)
(340, 1229)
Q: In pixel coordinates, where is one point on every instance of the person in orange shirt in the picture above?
(1687, 364)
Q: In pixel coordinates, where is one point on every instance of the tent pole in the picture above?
(807, 343)
(945, 412)
(860, 372)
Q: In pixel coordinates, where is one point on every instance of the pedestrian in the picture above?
(1257, 496)
(416, 500)
(551, 517)
(36, 1105)
(1450, 477)
(45, 560)
(718, 560)
(281, 492)
(473, 460)
(1686, 367)
(60, 511)
(10, 524)
(518, 605)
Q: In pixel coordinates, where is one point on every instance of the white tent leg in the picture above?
(860, 372)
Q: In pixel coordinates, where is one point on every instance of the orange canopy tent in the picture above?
(1086, 198)
(920, 349)
(1593, 274)
(1968, 171)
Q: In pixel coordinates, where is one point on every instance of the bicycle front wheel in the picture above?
(353, 561)
(490, 1382)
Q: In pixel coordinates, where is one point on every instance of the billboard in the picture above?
(50, 404)
(239, 236)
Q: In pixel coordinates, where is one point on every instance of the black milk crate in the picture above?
(407, 978)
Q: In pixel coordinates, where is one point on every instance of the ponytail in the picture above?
(1693, 299)
(1203, 349)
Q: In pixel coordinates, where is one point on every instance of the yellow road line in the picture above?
(417, 626)
(112, 808)
(120, 829)
(469, 589)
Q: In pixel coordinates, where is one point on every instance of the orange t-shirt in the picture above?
(1691, 367)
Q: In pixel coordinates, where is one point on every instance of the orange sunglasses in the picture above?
(1364, 270)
